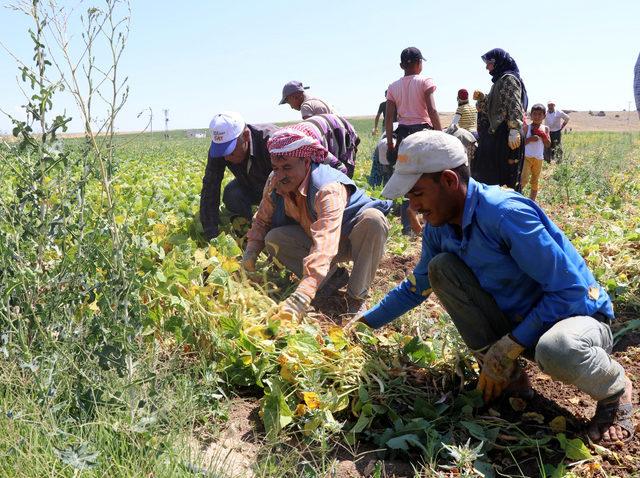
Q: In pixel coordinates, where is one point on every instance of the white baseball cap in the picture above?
(225, 128)
(421, 153)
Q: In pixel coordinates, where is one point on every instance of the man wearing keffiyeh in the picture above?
(312, 217)
(306, 140)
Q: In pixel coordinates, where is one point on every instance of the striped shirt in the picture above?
(636, 84)
(468, 117)
(330, 203)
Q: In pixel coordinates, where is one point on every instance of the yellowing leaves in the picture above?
(311, 399)
(230, 265)
(200, 257)
(160, 230)
(336, 334)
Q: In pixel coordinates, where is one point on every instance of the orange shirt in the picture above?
(330, 202)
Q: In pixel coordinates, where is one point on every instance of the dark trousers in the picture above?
(238, 200)
(556, 148)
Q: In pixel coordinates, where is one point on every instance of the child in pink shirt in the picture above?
(411, 97)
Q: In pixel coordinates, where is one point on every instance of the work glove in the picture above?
(249, 260)
(478, 95)
(498, 367)
(296, 304)
(514, 138)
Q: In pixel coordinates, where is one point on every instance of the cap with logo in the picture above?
(421, 153)
(410, 55)
(291, 88)
(225, 128)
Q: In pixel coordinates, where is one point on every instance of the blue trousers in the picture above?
(238, 200)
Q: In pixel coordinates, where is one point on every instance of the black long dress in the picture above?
(494, 162)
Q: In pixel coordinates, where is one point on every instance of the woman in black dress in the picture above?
(501, 115)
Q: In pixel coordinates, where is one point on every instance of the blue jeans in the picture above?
(238, 200)
(380, 173)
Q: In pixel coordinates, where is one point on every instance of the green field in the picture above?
(125, 339)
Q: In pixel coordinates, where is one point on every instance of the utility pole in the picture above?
(150, 118)
(166, 123)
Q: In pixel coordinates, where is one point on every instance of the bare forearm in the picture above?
(388, 122)
(433, 112)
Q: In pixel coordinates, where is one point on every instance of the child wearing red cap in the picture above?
(466, 115)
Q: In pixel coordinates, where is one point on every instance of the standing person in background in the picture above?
(411, 98)
(382, 109)
(556, 120)
(500, 147)
(636, 85)
(378, 174)
(536, 140)
(465, 116)
(293, 93)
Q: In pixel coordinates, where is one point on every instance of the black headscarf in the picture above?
(505, 65)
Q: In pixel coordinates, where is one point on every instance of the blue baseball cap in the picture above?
(225, 129)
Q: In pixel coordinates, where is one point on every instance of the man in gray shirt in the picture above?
(293, 93)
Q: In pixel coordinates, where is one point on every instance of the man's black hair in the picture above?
(461, 171)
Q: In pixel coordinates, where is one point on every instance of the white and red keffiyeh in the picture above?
(298, 140)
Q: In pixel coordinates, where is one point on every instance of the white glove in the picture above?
(514, 138)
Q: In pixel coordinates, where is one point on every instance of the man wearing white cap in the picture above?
(511, 281)
(294, 94)
(242, 148)
(556, 120)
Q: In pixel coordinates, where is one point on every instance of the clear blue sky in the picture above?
(198, 58)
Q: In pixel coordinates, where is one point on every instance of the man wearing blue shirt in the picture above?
(510, 280)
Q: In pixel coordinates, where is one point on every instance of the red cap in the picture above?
(463, 94)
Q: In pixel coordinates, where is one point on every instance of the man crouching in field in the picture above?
(511, 281)
(312, 217)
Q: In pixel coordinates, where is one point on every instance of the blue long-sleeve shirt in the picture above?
(518, 255)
